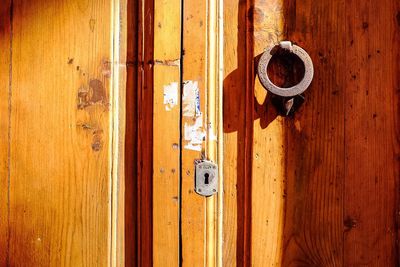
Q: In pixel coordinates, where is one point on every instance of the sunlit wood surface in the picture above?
(57, 95)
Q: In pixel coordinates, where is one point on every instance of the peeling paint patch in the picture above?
(168, 62)
(191, 99)
(211, 135)
(170, 96)
(195, 134)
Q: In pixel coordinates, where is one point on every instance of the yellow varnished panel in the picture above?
(166, 132)
(60, 144)
(193, 208)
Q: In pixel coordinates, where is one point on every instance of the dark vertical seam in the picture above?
(9, 133)
(248, 134)
(180, 140)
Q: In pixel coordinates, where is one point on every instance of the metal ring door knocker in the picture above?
(290, 94)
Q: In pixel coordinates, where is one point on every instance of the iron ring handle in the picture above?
(290, 91)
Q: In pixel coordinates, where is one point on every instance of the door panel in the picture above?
(179, 114)
(372, 127)
(60, 94)
(323, 185)
(194, 207)
(313, 231)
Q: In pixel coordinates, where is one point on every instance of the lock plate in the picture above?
(206, 181)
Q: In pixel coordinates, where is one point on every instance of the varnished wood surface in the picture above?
(5, 36)
(131, 136)
(313, 231)
(269, 144)
(234, 128)
(193, 209)
(60, 168)
(324, 182)
(144, 104)
(166, 136)
(372, 166)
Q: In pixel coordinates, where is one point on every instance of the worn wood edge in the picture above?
(220, 131)
(211, 111)
(5, 94)
(166, 133)
(214, 80)
(117, 128)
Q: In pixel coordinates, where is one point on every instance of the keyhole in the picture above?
(206, 176)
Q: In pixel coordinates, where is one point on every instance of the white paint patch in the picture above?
(170, 96)
(191, 99)
(211, 135)
(195, 134)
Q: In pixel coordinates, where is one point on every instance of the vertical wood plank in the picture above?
(60, 186)
(269, 144)
(372, 133)
(131, 135)
(238, 99)
(5, 36)
(193, 209)
(144, 200)
(118, 128)
(166, 142)
(313, 234)
(232, 95)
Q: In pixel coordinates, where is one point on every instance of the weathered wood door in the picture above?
(321, 187)
(317, 188)
(60, 113)
(174, 103)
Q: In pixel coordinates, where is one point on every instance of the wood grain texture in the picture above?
(313, 234)
(193, 209)
(144, 104)
(131, 135)
(336, 160)
(166, 170)
(60, 167)
(236, 125)
(166, 137)
(269, 144)
(233, 124)
(117, 155)
(372, 133)
(5, 37)
(254, 163)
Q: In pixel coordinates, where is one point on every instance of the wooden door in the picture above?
(317, 188)
(62, 72)
(174, 98)
(321, 187)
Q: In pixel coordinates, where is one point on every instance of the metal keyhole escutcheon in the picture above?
(289, 94)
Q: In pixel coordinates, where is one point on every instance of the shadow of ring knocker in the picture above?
(286, 99)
